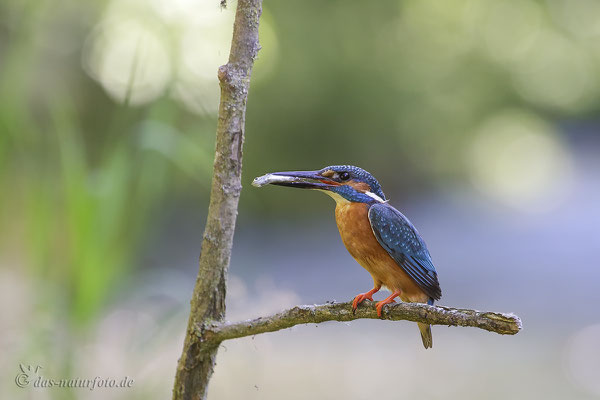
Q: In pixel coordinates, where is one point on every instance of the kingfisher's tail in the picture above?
(426, 335)
(426, 331)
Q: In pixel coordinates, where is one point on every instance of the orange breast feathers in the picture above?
(356, 232)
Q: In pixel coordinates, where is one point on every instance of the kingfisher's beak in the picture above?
(298, 179)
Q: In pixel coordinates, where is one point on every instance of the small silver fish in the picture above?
(271, 178)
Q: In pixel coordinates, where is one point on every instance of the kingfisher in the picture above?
(379, 237)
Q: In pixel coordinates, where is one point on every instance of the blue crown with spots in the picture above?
(358, 174)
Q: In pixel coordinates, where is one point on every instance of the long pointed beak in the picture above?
(298, 179)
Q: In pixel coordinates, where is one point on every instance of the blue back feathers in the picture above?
(400, 239)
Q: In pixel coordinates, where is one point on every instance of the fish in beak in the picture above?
(298, 179)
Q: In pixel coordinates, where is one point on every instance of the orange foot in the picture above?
(364, 296)
(390, 299)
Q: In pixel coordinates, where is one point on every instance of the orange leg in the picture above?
(388, 300)
(364, 296)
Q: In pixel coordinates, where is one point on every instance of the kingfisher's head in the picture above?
(345, 183)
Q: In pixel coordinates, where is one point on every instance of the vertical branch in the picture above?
(195, 366)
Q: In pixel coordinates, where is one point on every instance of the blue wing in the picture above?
(400, 239)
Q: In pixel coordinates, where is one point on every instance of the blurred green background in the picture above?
(479, 118)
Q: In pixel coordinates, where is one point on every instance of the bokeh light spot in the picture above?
(204, 47)
(142, 49)
(517, 159)
(555, 73)
(129, 60)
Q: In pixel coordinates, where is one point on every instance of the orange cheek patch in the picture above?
(359, 186)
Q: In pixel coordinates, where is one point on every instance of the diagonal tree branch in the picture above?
(504, 324)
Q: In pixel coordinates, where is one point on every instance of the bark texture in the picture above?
(196, 364)
(505, 324)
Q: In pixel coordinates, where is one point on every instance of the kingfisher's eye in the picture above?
(344, 176)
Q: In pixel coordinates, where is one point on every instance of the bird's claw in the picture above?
(380, 304)
(359, 299)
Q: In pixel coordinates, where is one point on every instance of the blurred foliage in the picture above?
(108, 112)
(401, 87)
